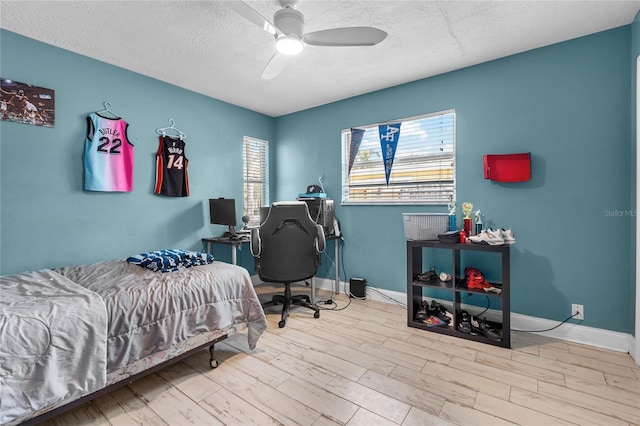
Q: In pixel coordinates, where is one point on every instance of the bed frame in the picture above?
(113, 386)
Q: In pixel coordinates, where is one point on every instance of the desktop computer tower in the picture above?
(321, 211)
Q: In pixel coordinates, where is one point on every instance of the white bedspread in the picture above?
(63, 332)
(151, 311)
(53, 336)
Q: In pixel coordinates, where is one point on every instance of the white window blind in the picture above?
(423, 170)
(255, 154)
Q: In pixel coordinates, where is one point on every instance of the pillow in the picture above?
(170, 260)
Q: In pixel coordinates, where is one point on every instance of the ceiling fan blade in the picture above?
(350, 36)
(250, 14)
(275, 66)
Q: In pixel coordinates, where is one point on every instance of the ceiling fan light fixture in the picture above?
(289, 44)
(288, 31)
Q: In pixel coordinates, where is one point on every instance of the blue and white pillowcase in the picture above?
(170, 260)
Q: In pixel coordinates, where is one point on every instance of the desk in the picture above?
(228, 241)
(235, 243)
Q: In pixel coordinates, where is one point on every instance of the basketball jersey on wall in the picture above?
(108, 155)
(172, 177)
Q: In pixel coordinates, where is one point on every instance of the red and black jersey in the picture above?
(172, 178)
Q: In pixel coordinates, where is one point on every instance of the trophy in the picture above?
(478, 221)
(452, 214)
(466, 210)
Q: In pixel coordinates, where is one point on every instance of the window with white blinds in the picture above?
(255, 154)
(423, 168)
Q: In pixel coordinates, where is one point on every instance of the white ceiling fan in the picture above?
(288, 31)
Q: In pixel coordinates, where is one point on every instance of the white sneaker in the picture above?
(507, 236)
(487, 236)
(497, 236)
(480, 238)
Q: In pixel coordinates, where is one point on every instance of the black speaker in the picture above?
(357, 287)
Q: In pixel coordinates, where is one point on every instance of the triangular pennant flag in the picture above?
(356, 139)
(389, 135)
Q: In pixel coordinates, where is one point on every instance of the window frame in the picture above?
(255, 173)
(449, 185)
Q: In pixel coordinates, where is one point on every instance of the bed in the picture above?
(71, 334)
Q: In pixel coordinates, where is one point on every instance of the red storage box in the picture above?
(507, 167)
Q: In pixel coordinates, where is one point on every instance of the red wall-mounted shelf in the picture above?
(507, 167)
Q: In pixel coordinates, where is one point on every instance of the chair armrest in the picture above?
(320, 241)
(255, 242)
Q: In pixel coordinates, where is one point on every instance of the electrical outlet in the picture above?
(579, 310)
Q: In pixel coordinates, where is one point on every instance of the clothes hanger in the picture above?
(107, 109)
(163, 130)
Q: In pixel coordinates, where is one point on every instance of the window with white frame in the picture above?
(255, 155)
(420, 171)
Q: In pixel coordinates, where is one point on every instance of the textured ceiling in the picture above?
(206, 47)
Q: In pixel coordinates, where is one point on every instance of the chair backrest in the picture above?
(289, 244)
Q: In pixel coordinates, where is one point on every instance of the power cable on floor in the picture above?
(548, 329)
(375, 289)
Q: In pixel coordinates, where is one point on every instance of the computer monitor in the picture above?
(222, 211)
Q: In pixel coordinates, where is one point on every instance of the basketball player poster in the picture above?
(26, 104)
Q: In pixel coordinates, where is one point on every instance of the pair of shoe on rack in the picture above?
(431, 276)
(475, 281)
(434, 315)
(473, 325)
(494, 238)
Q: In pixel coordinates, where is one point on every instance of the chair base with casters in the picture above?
(287, 299)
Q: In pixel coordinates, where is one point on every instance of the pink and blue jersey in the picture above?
(108, 155)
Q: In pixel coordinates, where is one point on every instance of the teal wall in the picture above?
(568, 104)
(47, 220)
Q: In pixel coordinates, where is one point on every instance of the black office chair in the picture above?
(288, 248)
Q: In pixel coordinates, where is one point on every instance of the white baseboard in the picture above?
(620, 342)
(576, 333)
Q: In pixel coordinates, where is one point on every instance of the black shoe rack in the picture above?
(421, 255)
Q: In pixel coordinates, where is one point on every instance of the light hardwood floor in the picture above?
(364, 366)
